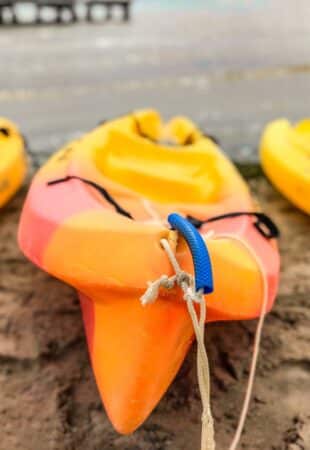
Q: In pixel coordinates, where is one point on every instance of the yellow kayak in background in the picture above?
(13, 162)
(285, 157)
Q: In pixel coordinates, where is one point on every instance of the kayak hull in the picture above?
(102, 236)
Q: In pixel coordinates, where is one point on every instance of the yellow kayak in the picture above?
(12, 160)
(285, 157)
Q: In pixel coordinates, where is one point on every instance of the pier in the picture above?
(61, 8)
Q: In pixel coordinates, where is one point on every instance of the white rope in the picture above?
(186, 282)
(257, 339)
(152, 212)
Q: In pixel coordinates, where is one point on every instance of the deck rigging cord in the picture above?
(191, 296)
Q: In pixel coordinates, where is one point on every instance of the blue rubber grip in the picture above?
(199, 251)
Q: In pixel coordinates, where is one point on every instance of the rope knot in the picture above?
(191, 296)
(152, 291)
(184, 279)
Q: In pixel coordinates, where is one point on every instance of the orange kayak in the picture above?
(94, 217)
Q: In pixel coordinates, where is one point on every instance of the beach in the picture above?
(231, 66)
(230, 70)
(49, 399)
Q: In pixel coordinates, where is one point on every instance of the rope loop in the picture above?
(191, 296)
(187, 283)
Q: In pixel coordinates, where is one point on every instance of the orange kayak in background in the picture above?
(94, 217)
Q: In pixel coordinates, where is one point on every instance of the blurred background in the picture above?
(231, 65)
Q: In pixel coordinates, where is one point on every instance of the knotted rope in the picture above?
(186, 282)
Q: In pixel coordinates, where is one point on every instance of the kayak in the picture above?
(285, 156)
(99, 209)
(12, 160)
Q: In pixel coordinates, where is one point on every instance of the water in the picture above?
(212, 5)
(230, 65)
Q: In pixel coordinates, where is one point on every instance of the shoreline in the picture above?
(230, 73)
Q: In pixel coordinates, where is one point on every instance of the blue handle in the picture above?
(199, 251)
